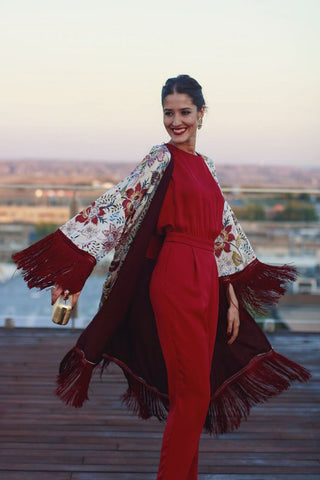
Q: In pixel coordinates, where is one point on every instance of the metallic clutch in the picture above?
(61, 310)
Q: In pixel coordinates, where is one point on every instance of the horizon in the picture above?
(315, 167)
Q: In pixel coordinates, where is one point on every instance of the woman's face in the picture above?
(180, 118)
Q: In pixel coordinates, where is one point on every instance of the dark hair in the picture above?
(187, 85)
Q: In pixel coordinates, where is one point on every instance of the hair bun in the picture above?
(184, 84)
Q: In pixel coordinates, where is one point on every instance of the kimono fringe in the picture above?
(260, 286)
(55, 260)
(266, 375)
(74, 378)
(140, 398)
(144, 401)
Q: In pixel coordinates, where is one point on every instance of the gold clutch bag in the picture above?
(61, 310)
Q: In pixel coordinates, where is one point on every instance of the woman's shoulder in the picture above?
(159, 149)
(211, 166)
(209, 161)
(157, 154)
(157, 159)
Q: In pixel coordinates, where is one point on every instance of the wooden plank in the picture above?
(152, 469)
(109, 459)
(42, 439)
(153, 445)
(142, 476)
(37, 475)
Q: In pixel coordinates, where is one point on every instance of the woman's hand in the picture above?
(56, 291)
(233, 315)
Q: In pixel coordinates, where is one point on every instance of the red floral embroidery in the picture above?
(133, 199)
(112, 236)
(223, 244)
(90, 214)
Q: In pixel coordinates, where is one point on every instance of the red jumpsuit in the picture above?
(184, 292)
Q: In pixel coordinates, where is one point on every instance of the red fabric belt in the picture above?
(179, 237)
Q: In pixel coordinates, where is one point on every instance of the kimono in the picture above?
(123, 331)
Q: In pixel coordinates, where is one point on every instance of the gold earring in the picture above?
(199, 123)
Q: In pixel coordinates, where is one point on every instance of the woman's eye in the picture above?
(185, 112)
(168, 114)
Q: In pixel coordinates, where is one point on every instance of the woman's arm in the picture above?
(233, 315)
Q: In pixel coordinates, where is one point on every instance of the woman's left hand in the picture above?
(233, 315)
(233, 323)
(56, 291)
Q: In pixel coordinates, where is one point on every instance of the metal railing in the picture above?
(234, 189)
(79, 197)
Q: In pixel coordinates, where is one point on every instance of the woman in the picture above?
(176, 307)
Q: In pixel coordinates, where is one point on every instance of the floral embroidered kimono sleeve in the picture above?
(257, 285)
(68, 256)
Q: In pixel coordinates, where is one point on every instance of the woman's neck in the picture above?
(185, 148)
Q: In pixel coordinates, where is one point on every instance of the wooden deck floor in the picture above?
(41, 439)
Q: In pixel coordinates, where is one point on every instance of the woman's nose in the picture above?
(176, 120)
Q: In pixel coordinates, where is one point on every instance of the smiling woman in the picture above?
(177, 304)
(183, 109)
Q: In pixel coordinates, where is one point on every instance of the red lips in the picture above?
(178, 131)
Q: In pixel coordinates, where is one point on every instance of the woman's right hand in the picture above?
(56, 291)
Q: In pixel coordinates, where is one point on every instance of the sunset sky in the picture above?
(81, 79)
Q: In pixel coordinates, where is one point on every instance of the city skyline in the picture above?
(82, 80)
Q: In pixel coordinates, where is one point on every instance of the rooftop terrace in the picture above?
(41, 439)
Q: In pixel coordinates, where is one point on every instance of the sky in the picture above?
(82, 79)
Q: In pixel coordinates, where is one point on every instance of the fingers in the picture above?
(234, 335)
(233, 324)
(56, 291)
(75, 297)
(66, 294)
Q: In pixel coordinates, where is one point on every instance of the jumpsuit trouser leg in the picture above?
(193, 471)
(185, 309)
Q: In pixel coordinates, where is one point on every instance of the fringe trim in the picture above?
(266, 375)
(140, 398)
(55, 259)
(260, 286)
(144, 402)
(74, 378)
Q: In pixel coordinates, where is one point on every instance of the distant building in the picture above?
(34, 214)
